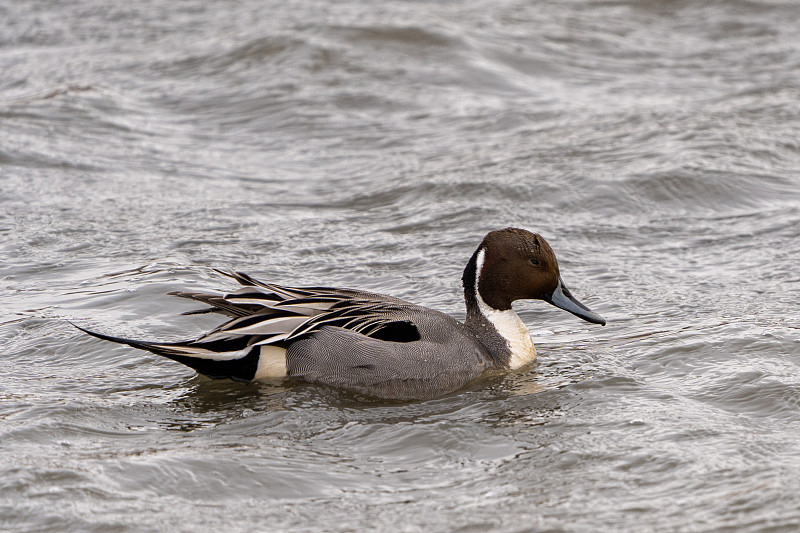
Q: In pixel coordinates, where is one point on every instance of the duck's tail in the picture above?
(235, 360)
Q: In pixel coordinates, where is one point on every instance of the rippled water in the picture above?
(372, 144)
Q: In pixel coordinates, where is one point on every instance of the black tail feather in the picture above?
(242, 369)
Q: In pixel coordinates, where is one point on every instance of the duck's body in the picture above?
(375, 344)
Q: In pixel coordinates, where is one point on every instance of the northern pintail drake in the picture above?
(373, 344)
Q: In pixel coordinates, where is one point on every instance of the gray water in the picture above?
(655, 144)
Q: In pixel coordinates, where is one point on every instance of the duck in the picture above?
(372, 344)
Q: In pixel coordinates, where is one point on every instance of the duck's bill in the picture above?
(564, 299)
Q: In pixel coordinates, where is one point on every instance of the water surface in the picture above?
(372, 145)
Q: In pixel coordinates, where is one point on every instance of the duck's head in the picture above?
(514, 264)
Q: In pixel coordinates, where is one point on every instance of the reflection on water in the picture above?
(654, 144)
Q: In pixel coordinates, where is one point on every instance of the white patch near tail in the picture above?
(507, 323)
(271, 363)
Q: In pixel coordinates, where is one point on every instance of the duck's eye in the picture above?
(534, 261)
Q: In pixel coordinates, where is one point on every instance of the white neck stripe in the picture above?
(478, 268)
(507, 323)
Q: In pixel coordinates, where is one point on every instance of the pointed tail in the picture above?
(239, 364)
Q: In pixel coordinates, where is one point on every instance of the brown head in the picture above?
(514, 264)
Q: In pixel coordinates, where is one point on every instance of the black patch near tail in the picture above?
(241, 369)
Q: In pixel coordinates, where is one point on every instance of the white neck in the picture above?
(507, 323)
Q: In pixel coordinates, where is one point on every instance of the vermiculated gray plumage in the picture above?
(441, 360)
